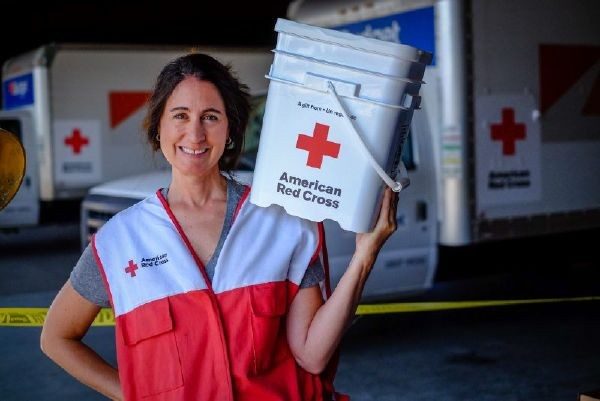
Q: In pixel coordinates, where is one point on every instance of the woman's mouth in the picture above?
(193, 152)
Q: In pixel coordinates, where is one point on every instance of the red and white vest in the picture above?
(180, 337)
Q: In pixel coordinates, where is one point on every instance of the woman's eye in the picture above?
(210, 117)
(179, 116)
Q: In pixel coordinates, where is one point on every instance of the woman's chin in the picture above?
(196, 169)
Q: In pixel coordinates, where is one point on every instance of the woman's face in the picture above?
(193, 128)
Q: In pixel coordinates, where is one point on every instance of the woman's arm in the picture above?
(67, 321)
(314, 328)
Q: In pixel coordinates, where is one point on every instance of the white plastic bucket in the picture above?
(335, 121)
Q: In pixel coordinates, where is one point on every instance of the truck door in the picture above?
(25, 207)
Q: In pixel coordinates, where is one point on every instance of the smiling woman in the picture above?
(214, 297)
(176, 93)
(193, 131)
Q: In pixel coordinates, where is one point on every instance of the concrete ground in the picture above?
(536, 352)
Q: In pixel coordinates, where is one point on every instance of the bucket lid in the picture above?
(353, 41)
(345, 67)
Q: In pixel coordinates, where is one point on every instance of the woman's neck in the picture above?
(197, 191)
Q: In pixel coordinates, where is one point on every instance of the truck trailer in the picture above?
(505, 147)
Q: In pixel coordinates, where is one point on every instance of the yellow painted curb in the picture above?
(34, 317)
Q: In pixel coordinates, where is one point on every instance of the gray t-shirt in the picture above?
(87, 281)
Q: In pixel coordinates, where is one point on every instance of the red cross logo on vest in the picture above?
(131, 268)
(76, 141)
(508, 132)
(318, 146)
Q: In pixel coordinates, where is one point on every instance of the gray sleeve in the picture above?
(314, 275)
(87, 281)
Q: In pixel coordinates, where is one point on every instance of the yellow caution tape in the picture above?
(34, 317)
(374, 309)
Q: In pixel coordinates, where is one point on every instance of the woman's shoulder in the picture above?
(134, 212)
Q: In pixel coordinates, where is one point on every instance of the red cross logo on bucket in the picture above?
(318, 146)
(76, 141)
(131, 268)
(508, 131)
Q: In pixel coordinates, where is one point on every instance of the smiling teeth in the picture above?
(192, 151)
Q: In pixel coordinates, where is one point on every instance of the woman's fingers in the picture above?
(386, 206)
(386, 221)
(387, 215)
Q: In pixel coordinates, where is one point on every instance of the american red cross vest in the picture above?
(181, 337)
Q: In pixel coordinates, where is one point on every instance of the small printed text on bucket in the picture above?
(325, 110)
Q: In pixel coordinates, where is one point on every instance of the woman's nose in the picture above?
(197, 132)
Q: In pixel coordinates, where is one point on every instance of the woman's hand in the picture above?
(369, 244)
(68, 320)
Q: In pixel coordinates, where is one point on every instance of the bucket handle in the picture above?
(396, 186)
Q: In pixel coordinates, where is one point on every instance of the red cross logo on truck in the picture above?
(318, 146)
(76, 141)
(131, 268)
(508, 131)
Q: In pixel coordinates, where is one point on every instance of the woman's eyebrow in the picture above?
(184, 108)
(212, 109)
(179, 108)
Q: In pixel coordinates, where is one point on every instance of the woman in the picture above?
(214, 298)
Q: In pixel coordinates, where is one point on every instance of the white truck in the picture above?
(78, 111)
(506, 145)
